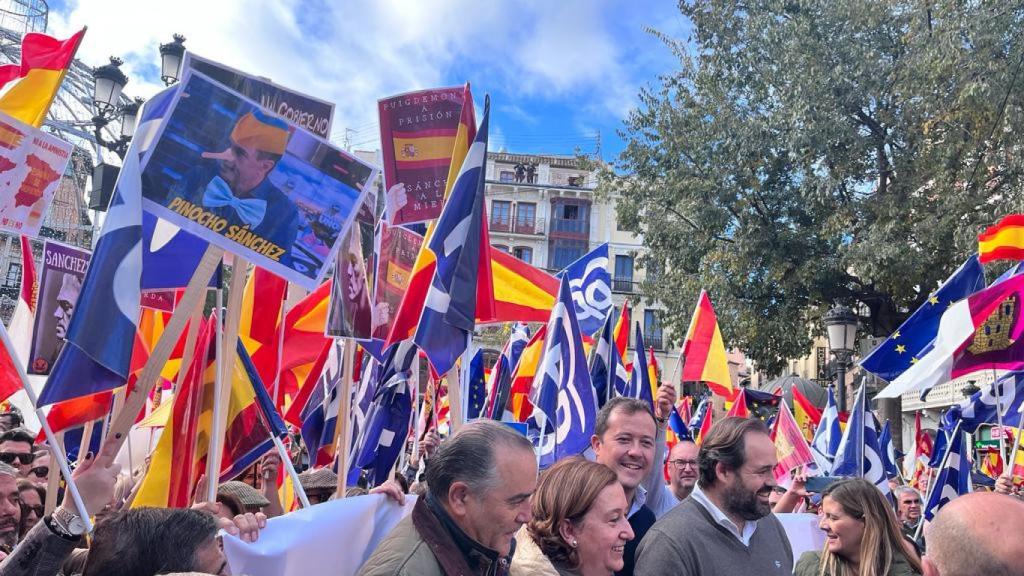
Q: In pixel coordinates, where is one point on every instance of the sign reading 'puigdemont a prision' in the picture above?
(249, 181)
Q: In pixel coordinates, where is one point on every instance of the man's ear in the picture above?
(267, 165)
(723, 472)
(458, 493)
(595, 442)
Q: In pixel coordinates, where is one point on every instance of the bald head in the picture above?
(977, 534)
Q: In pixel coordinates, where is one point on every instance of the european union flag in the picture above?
(591, 286)
(909, 342)
(476, 386)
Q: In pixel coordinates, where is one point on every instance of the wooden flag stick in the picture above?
(226, 356)
(136, 399)
(344, 408)
(57, 449)
(53, 478)
(83, 446)
(455, 394)
(190, 343)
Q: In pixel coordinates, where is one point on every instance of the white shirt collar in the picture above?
(749, 526)
(639, 499)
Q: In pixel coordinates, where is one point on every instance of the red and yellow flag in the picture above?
(621, 332)
(522, 377)
(704, 350)
(805, 413)
(1002, 241)
(259, 324)
(29, 87)
(522, 293)
(791, 448)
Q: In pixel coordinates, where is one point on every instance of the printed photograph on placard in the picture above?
(351, 313)
(60, 282)
(397, 256)
(245, 179)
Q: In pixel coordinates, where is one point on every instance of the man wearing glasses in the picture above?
(682, 469)
(16, 450)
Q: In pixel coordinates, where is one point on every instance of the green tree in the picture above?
(812, 151)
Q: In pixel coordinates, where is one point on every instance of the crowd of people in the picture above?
(485, 508)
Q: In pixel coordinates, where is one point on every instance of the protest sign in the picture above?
(301, 110)
(396, 258)
(351, 313)
(31, 165)
(61, 280)
(417, 136)
(247, 181)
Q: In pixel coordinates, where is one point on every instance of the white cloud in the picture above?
(354, 52)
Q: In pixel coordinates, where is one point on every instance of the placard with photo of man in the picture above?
(60, 282)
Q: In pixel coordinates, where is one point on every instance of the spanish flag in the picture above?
(260, 321)
(621, 332)
(522, 293)
(30, 87)
(806, 414)
(704, 350)
(522, 377)
(1003, 241)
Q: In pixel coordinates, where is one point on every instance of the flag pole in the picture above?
(997, 391)
(455, 413)
(56, 447)
(280, 347)
(53, 480)
(226, 369)
(344, 410)
(83, 444)
(135, 400)
(212, 458)
(286, 459)
(932, 481)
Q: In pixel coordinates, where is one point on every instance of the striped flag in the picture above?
(449, 311)
(500, 386)
(606, 369)
(790, 446)
(953, 479)
(36, 80)
(806, 414)
(1003, 241)
(640, 385)
(523, 376)
(101, 334)
(704, 350)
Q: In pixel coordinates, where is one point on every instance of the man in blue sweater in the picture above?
(726, 526)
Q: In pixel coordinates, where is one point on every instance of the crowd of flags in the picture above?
(554, 379)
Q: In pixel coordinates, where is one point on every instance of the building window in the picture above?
(507, 177)
(623, 279)
(524, 253)
(501, 247)
(564, 252)
(13, 279)
(526, 217)
(571, 218)
(652, 330)
(501, 215)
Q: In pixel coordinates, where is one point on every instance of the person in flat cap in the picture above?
(319, 484)
(241, 191)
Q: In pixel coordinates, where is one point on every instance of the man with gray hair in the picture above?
(479, 484)
(908, 509)
(976, 533)
(10, 507)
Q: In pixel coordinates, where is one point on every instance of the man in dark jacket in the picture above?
(479, 484)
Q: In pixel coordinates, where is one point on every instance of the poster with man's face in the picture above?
(60, 282)
(249, 181)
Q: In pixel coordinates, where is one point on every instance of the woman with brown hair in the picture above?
(863, 536)
(578, 523)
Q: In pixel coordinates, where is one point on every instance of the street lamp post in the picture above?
(110, 82)
(841, 326)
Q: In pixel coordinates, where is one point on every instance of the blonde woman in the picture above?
(863, 536)
(578, 523)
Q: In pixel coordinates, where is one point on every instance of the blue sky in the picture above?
(558, 72)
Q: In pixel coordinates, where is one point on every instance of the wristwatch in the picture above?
(68, 522)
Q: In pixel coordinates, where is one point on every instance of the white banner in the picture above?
(803, 532)
(341, 534)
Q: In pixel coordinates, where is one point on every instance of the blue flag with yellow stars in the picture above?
(907, 344)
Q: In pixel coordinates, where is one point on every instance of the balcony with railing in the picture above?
(570, 226)
(498, 224)
(625, 286)
(527, 226)
(654, 340)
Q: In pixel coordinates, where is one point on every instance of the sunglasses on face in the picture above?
(40, 471)
(10, 457)
(38, 509)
